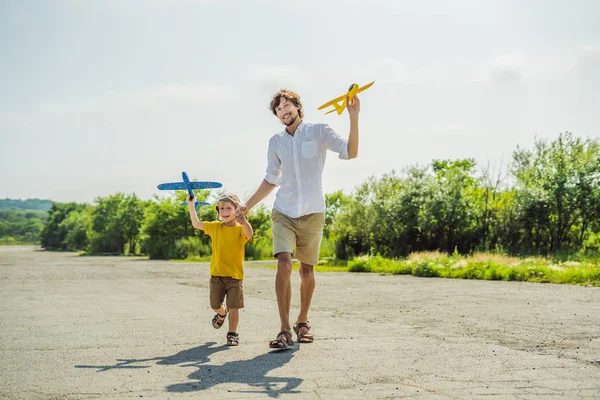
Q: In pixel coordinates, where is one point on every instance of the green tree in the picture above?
(334, 202)
(116, 223)
(261, 245)
(77, 224)
(167, 221)
(558, 186)
(53, 233)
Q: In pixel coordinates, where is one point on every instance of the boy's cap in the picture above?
(230, 198)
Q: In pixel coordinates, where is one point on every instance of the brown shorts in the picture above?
(221, 286)
(303, 233)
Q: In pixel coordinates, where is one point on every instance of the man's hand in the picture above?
(242, 209)
(353, 106)
(240, 217)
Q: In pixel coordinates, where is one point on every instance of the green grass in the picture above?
(14, 242)
(195, 259)
(483, 266)
(296, 265)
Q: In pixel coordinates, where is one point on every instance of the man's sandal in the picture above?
(306, 337)
(282, 343)
(233, 339)
(219, 319)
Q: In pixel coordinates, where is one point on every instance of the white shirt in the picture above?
(295, 163)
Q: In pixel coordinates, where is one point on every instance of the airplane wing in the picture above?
(365, 87)
(195, 185)
(332, 102)
(206, 185)
(198, 203)
(335, 101)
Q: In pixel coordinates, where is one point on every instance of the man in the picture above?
(296, 158)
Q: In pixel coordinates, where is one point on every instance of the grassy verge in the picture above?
(195, 259)
(13, 242)
(479, 266)
(484, 266)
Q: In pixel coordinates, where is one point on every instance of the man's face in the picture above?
(287, 112)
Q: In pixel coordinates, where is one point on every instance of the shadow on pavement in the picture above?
(251, 372)
(188, 358)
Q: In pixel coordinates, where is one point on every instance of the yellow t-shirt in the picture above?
(227, 249)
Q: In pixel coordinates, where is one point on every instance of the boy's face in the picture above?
(226, 211)
(287, 112)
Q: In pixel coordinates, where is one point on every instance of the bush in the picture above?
(259, 249)
(360, 265)
(191, 247)
(426, 268)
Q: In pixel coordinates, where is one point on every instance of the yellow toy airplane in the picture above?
(352, 91)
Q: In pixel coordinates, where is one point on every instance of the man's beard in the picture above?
(291, 121)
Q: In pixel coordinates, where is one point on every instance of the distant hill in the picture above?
(29, 204)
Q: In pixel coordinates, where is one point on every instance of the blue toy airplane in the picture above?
(189, 186)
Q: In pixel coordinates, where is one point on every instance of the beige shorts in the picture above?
(221, 286)
(302, 234)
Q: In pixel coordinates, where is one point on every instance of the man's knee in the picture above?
(307, 272)
(284, 263)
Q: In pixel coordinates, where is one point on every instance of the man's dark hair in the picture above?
(289, 96)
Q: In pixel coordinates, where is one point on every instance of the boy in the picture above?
(228, 236)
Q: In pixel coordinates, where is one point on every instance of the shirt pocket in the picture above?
(309, 149)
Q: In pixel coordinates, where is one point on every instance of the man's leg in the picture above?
(307, 288)
(308, 243)
(284, 242)
(283, 289)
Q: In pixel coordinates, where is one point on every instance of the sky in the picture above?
(107, 96)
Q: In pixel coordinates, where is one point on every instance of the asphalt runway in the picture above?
(75, 327)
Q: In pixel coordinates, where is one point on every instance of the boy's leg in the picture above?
(235, 301)
(217, 295)
(222, 311)
(234, 319)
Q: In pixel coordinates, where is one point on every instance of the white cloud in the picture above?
(119, 111)
(500, 68)
(272, 78)
(588, 57)
(170, 95)
(505, 68)
(394, 71)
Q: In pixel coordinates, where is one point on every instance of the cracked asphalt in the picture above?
(75, 327)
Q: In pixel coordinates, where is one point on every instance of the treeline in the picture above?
(159, 228)
(544, 201)
(29, 204)
(19, 226)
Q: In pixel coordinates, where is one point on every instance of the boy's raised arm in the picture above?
(193, 216)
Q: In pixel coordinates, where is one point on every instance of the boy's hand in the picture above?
(240, 217)
(242, 209)
(190, 200)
